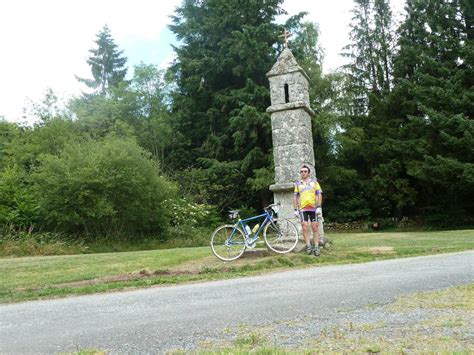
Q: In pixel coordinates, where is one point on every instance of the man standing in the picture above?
(307, 203)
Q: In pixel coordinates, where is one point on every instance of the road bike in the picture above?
(228, 242)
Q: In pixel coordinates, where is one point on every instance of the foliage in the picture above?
(351, 203)
(18, 207)
(107, 64)
(410, 142)
(185, 212)
(137, 109)
(105, 187)
(370, 52)
(432, 109)
(49, 108)
(97, 116)
(154, 123)
(21, 152)
(8, 132)
(217, 184)
(222, 92)
(33, 142)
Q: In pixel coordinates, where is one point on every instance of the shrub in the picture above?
(185, 212)
(17, 204)
(106, 187)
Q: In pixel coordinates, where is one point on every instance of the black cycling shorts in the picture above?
(309, 216)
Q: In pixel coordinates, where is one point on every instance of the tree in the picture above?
(222, 92)
(154, 124)
(107, 64)
(363, 150)
(432, 108)
(370, 51)
(385, 43)
(139, 109)
(8, 132)
(49, 108)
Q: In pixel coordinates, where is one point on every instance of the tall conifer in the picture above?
(432, 108)
(108, 65)
(226, 47)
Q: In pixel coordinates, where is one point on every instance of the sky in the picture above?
(44, 44)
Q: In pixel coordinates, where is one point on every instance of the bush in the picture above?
(185, 212)
(107, 187)
(17, 204)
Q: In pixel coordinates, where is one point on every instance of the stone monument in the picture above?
(291, 126)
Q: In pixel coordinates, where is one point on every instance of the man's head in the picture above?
(304, 171)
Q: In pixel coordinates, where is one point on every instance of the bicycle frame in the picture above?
(229, 241)
(249, 239)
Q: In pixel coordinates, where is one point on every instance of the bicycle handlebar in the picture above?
(273, 204)
(235, 213)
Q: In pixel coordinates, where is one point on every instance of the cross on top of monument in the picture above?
(285, 34)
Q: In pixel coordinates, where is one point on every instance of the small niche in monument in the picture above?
(287, 94)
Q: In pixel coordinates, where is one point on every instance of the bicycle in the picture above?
(229, 241)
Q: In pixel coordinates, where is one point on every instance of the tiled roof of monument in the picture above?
(286, 63)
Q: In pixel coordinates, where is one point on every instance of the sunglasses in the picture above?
(303, 171)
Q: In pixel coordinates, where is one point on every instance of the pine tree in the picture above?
(384, 39)
(107, 64)
(370, 52)
(364, 135)
(431, 109)
(222, 93)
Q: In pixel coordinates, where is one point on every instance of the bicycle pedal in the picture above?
(251, 245)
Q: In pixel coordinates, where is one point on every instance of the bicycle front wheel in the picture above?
(281, 235)
(227, 242)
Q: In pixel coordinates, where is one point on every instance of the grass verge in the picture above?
(30, 278)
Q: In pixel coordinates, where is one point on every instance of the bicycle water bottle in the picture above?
(248, 230)
(255, 229)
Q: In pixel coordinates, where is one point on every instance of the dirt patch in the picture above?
(132, 276)
(255, 253)
(195, 267)
(379, 250)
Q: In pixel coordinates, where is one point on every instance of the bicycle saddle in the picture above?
(233, 214)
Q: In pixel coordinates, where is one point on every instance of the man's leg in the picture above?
(305, 226)
(314, 226)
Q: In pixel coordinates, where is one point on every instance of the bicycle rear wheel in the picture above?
(228, 243)
(281, 235)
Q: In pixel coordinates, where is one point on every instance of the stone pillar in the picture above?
(291, 128)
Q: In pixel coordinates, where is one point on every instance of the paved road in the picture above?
(157, 319)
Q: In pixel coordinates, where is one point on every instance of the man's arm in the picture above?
(296, 204)
(319, 198)
(295, 201)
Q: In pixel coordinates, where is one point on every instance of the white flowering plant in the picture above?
(184, 212)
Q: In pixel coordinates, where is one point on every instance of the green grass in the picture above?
(29, 278)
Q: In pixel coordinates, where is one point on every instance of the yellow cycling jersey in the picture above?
(307, 193)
